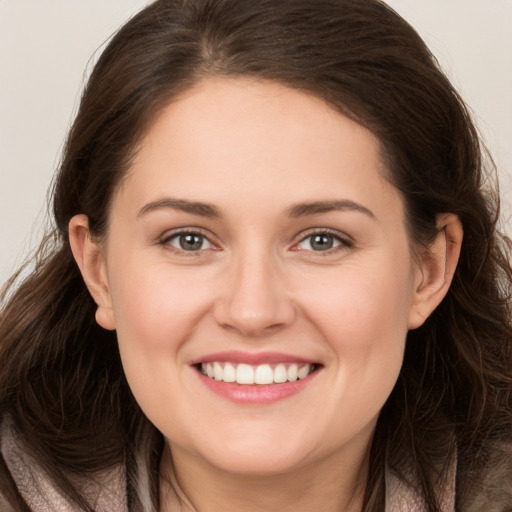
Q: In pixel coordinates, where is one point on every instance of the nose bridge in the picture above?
(255, 301)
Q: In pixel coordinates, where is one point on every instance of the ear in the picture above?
(90, 258)
(436, 268)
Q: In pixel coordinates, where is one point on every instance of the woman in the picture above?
(275, 282)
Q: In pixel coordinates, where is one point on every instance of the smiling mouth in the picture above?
(263, 374)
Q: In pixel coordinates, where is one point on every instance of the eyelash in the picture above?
(343, 242)
(166, 241)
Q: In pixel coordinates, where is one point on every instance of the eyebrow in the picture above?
(295, 211)
(318, 207)
(183, 205)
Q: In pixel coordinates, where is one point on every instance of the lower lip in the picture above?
(257, 393)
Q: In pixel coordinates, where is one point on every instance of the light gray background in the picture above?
(45, 46)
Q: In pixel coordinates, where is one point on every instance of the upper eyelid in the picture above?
(164, 240)
(347, 239)
(346, 242)
(188, 230)
(342, 236)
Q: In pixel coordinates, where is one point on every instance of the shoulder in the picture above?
(472, 481)
(484, 479)
(10, 499)
(32, 485)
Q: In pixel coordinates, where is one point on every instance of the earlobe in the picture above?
(436, 268)
(90, 259)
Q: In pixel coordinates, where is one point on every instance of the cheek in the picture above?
(363, 316)
(154, 307)
(155, 316)
(360, 307)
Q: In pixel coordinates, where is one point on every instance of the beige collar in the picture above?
(106, 492)
(402, 496)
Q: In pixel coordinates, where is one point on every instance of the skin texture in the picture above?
(254, 150)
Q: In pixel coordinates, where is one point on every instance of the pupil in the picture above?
(322, 242)
(191, 242)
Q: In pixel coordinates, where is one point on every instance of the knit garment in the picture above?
(106, 492)
(490, 489)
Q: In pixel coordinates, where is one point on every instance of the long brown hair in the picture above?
(61, 379)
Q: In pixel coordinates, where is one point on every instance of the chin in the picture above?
(258, 455)
(258, 464)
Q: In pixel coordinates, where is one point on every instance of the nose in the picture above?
(254, 300)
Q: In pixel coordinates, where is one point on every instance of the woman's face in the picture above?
(256, 239)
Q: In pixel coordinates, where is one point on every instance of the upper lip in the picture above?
(236, 356)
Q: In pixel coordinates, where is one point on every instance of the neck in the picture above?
(191, 485)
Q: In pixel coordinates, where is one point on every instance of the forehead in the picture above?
(248, 140)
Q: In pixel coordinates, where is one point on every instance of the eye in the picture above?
(188, 241)
(321, 242)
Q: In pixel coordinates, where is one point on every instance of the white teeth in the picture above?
(244, 374)
(218, 373)
(262, 374)
(303, 372)
(293, 370)
(280, 373)
(229, 373)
